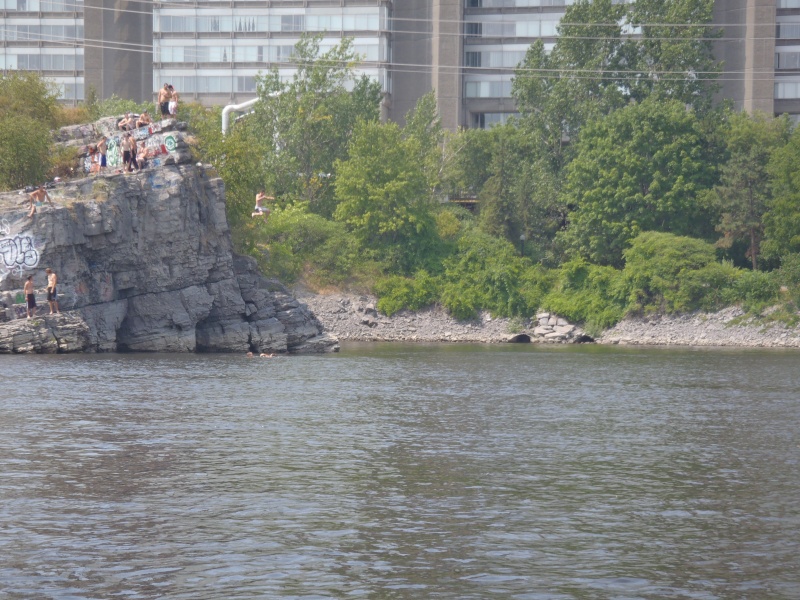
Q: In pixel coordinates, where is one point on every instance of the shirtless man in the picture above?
(261, 210)
(30, 297)
(127, 123)
(52, 297)
(173, 101)
(102, 148)
(38, 196)
(144, 119)
(163, 101)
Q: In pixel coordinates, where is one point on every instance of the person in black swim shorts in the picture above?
(164, 95)
(30, 297)
(52, 293)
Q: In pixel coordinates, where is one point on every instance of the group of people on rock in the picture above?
(130, 122)
(52, 294)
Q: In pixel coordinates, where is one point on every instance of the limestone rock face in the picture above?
(145, 263)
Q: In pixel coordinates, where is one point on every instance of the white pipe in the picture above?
(226, 112)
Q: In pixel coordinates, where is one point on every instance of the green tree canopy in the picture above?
(309, 119)
(638, 169)
(28, 110)
(782, 219)
(383, 194)
(743, 195)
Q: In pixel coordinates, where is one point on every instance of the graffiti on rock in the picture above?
(18, 254)
(156, 144)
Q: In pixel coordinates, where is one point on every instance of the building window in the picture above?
(787, 60)
(789, 31)
(488, 120)
(474, 29)
(787, 90)
(292, 23)
(473, 59)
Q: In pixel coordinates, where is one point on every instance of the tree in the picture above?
(674, 53)
(638, 169)
(28, 110)
(782, 219)
(25, 93)
(743, 193)
(597, 67)
(308, 121)
(383, 194)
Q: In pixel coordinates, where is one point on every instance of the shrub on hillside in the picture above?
(657, 267)
(396, 293)
(591, 294)
(486, 273)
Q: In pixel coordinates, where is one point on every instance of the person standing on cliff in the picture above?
(102, 148)
(30, 297)
(38, 197)
(52, 291)
(163, 101)
(173, 101)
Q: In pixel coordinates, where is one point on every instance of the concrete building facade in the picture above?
(46, 36)
(463, 50)
(212, 51)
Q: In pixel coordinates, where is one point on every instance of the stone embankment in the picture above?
(145, 263)
(728, 327)
(355, 318)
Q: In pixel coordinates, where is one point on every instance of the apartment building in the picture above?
(46, 36)
(464, 50)
(211, 51)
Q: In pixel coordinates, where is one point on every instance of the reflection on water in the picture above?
(394, 471)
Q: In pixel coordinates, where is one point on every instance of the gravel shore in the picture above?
(355, 318)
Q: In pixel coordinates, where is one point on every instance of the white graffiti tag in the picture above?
(5, 227)
(18, 254)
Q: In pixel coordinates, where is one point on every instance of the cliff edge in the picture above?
(144, 260)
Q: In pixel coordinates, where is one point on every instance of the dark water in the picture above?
(394, 471)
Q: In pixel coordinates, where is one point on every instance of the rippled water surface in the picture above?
(396, 471)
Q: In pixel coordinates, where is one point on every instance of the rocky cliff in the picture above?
(144, 262)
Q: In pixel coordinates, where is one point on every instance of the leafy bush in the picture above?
(656, 267)
(755, 290)
(485, 274)
(73, 115)
(115, 106)
(25, 155)
(590, 294)
(789, 276)
(64, 162)
(396, 293)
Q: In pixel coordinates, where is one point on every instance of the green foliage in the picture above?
(25, 156)
(590, 294)
(396, 293)
(383, 195)
(639, 169)
(782, 219)
(25, 93)
(742, 195)
(304, 243)
(306, 123)
(754, 290)
(789, 276)
(656, 265)
(486, 273)
(28, 110)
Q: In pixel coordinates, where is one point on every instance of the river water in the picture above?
(398, 471)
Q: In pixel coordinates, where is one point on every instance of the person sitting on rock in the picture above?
(38, 197)
(127, 122)
(144, 120)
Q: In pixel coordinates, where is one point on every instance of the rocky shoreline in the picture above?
(355, 318)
